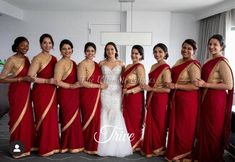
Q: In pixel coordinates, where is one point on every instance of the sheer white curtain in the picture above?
(230, 40)
(215, 24)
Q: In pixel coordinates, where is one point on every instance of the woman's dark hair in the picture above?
(191, 42)
(112, 44)
(46, 36)
(89, 44)
(66, 41)
(219, 38)
(17, 41)
(163, 47)
(140, 49)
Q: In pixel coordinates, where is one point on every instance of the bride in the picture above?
(114, 139)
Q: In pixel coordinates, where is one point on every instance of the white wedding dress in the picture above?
(114, 139)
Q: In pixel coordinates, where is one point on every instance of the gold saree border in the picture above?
(130, 73)
(69, 70)
(45, 65)
(179, 157)
(71, 150)
(21, 115)
(156, 152)
(51, 152)
(151, 94)
(90, 152)
(135, 148)
(93, 113)
(70, 122)
(22, 155)
(19, 70)
(46, 110)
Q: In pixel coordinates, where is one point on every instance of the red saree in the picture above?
(215, 118)
(45, 107)
(21, 123)
(183, 118)
(68, 100)
(133, 111)
(155, 124)
(90, 108)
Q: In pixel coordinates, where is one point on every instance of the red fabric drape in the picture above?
(68, 100)
(21, 123)
(183, 118)
(133, 111)
(155, 124)
(90, 107)
(44, 98)
(215, 119)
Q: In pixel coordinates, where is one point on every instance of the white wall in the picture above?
(156, 22)
(61, 25)
(168, 28)
(183, 26)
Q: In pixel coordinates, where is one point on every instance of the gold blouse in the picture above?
(190, 74)
(136, 77)
(163, 78)
(221, 74)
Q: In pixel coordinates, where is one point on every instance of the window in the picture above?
(230, 48)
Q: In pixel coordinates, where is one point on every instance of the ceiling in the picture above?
(114, 5)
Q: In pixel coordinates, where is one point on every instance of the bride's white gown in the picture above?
(114, 139)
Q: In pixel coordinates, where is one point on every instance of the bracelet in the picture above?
(133, 91)
(204, 85)
(19, 79)
(175, 86)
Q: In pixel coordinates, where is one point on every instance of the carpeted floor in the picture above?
(68, 157)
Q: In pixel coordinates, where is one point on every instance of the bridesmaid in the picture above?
(133, 96)
(21, 124)
(216, 104)
(68, 100)
(157, 101)
(89, 76)
(184, 104)
(44, 98)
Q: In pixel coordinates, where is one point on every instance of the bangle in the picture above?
(204, 85)
(133, 91)
(19, 79)
(175, 86)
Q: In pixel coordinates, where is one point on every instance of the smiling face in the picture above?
(66, 51)
(46, 44)
(110, 51)
(187, 51)
(159, 54)
(214, 46)
(135, 55)
(90, 53)
(23, 47)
